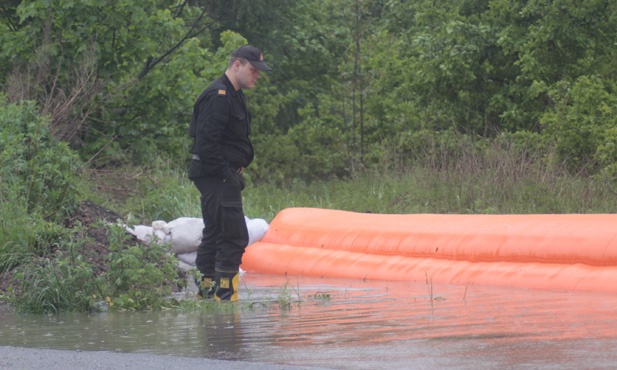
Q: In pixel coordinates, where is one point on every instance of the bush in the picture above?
(16, 236)
(38, 185)
(581, 123)
(136, 276)
(35, 168)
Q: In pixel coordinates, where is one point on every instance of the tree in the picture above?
(145, 53)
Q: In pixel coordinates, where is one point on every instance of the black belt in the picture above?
(237, 169)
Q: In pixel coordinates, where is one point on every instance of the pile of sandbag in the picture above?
(184, 235)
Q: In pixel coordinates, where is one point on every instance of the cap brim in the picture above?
(261, 66)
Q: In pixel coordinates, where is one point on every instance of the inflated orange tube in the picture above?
(565, 252)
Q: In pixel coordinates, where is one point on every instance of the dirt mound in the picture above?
(96, 247)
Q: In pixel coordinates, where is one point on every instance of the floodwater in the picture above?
(351, 324)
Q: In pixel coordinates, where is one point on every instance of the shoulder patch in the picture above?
(222, 92)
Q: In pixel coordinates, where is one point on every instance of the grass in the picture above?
(420, 190)
(495, 179)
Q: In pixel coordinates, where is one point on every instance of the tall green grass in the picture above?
(496, 179)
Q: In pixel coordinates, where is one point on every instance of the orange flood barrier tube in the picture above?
(575, 252)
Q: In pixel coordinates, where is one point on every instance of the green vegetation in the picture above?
(454, 106)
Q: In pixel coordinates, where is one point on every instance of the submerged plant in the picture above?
(320, 296)
(284, 299)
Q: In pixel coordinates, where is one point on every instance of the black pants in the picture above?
(225, 235)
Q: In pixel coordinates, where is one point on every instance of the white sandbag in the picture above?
(148, 234)
(185, 266)
(160, 225)
(188, 258)
(160, 236)
(185, 234)
(257, 228)
(142, 232)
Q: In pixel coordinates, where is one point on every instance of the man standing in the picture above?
(220, 127)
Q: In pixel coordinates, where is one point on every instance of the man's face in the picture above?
(247, 75)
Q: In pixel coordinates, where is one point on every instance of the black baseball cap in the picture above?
(253, 55)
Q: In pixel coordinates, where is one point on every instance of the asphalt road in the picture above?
(16, 358)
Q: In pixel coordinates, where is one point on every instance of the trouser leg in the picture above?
(206, 251)
(225, 235)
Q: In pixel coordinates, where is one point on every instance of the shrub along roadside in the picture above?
(38, 184)
(132, 276)
(48, 255)
(34, 167)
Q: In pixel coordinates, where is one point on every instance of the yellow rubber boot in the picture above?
(206, 288)
(226, 286)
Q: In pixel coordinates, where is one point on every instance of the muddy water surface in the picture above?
(351, 324)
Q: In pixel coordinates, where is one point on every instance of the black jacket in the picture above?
(220, 126)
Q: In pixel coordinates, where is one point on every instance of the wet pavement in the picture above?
(348, 324)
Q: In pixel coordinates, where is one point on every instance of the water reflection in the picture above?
(353, 324)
